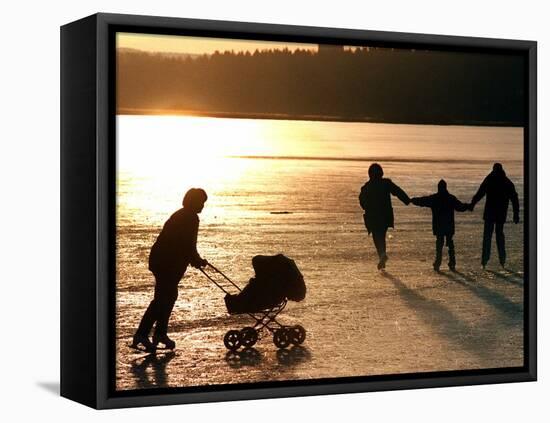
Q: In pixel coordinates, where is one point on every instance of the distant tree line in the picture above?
(373, 84)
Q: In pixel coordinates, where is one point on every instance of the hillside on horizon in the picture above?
(368, 84)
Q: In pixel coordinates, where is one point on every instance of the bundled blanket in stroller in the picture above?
(276, 278)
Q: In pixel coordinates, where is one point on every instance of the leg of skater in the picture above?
(379, 238)
(166, 301)
(501, 244)
(141, 336)
(451, 247)
(149, 318)
(438, 252)
(488, 229)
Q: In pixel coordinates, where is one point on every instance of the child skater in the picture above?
(443, 205)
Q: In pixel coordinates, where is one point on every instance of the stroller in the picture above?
(277, 280)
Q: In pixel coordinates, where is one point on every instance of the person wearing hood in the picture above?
(499, 192)
(443, 205)
(174, 249)
(375, 200)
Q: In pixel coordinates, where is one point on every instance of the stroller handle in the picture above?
(215, 269)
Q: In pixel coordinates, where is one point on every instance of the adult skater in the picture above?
(499, 191)
(376, 202)
(174, 249)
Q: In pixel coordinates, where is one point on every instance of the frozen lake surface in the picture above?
(358, 320)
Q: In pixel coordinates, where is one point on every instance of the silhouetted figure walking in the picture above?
(174, 249)
(499, 191)
(376, 201)
(443, 205)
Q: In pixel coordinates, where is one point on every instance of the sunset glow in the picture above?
(198, 45)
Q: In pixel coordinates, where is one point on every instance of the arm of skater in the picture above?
(426, 201)
(399, 193)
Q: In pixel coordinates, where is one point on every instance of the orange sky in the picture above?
(198, 45)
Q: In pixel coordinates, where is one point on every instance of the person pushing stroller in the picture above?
(443, 205)
(174, 249)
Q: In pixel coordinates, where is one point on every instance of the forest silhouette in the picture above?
(365, 84)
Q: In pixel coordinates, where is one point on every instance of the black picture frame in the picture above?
(88, 200)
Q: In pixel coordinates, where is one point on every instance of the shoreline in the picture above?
(374, 159)
(312, 118)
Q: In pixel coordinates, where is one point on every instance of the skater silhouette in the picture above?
(499, 191)
(174, 249)
(376, 202)
(443, 205)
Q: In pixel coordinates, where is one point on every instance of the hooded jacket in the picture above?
(176, 245)
(376, 201)
(499, 191)
(443, 205)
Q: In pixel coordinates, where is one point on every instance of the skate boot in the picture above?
(143, 341)
(163, 339)
(382, 262)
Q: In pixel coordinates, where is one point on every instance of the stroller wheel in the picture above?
(297, 334)
(281, 338)
(248, 336)
(232, 340)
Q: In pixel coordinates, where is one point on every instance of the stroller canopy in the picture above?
(276, 279)
(284, 271)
